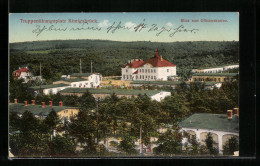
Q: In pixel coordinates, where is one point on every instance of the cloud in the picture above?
(104, 23)
(169, 24)
(130, 25)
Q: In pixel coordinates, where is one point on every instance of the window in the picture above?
(154, 70)
(74, 85)
(151, 77)
(155, 77)
(123, 76)
(151, 70)
(148, 70)
(126, 70)
(143, 77)
(126, 76)
(167, 70)
(142, 70)
(80, 84)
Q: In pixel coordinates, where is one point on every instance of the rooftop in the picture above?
(23, 69)
(72, 80)
(211, 121)
(157, 82)
(213, 67)
(48, 86)
(35, 109)
(207, 83)
(81, 74)
(216, 74)
(111, 91)
(156, 61)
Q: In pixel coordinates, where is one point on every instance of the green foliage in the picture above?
(87, 102)
(114, 144)
(31, 138)
(195, 145)
(128, 144)
(62, 146)
(19, 90)
(175, 108)
(109, 56)
(231, 146)
(169, 143)
(210, 144)
(51, 120)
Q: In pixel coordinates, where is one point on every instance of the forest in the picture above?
(114, 115)
(35, 136)
(63, 56)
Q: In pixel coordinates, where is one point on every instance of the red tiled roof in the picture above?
(135, 64)
(136, 72)
(23, 69)
(18, 72)
(156, 61)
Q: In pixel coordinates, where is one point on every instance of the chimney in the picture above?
(229, 114)
(15, 101)
(146, 87)
(155, 88)
(156, 52)
(33, 102)
(142, 87)
(61, 104)
(43, 105)
(26, 103)
(236, 111)
(51, 103)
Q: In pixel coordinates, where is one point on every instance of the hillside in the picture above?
(62, 56)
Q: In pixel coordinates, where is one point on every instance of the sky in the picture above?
(159, 27)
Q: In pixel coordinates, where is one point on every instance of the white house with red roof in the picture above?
(22, 73)
(154, 69)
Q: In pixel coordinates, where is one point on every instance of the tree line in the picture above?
(117, 117)
(62, 57)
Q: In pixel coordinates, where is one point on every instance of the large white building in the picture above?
(155, 68)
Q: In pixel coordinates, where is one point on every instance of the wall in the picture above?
(211, 78)
(80, 84)
(127, 72)
(160, 96)
(67, 113)
(220, 137)
(163, 74)
(54, 90)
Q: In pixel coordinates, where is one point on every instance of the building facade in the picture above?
(220, 126)
(215, 69)
(153, 69)
(214, 77)
(22, 73)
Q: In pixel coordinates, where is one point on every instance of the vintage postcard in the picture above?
(86, 85)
